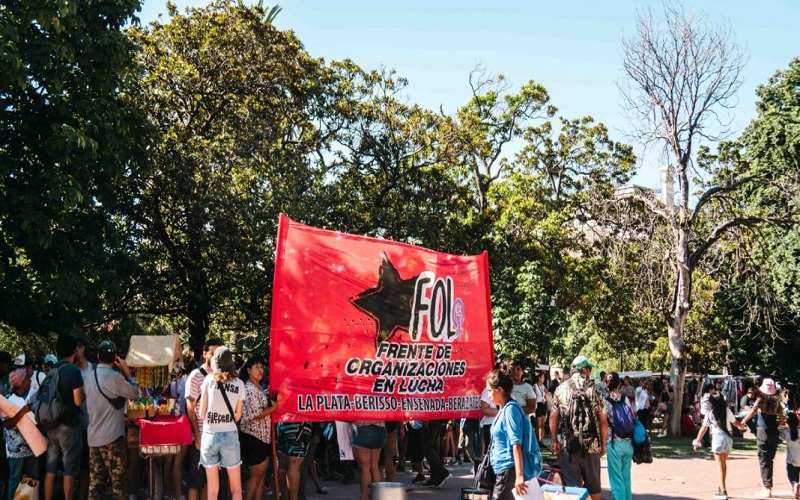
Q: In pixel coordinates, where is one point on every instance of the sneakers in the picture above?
(420, 478)
(721, 495)
(322, 490)
(437, 482)
(766, 493)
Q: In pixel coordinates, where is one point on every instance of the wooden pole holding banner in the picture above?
(275, 475)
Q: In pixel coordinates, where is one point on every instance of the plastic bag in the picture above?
(28, 489)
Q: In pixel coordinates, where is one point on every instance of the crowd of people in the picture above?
(228, 405)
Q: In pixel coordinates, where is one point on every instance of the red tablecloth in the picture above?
(165, 430)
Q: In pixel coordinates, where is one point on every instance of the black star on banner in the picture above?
(389, 303)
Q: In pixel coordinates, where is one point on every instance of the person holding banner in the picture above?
(515, 455)
(21, 460)
(255, 427)
(368, 440)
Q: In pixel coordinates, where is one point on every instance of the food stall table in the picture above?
(163, 435)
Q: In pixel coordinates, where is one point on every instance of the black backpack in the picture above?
(579, 426)
(48, 408)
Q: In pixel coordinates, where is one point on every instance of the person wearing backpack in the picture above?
(107, 394)
(62, 388)
(579, 412)
(619, 446)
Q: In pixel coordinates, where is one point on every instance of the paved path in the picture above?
(690, 478)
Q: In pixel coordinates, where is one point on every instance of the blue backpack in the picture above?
(623, 418)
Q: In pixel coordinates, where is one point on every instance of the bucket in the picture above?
(475, 494)
(387, 491)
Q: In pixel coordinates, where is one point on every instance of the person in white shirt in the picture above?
(220, 408)
(643, 403)
(20, 457)
(522, 392)
(719, 421)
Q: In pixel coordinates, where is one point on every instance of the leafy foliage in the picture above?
(70, 160)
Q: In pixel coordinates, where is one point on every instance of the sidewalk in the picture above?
(692, 478)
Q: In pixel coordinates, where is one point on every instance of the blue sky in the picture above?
(571, 47)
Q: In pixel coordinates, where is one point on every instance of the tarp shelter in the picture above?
(638, 374)
(153, 357)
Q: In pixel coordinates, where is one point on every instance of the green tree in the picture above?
(235, 102)
(70, 151)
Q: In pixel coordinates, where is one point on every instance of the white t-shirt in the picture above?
(716, 427)
(642, 398)
(37, 378)
(218, 417)
(486, 420)
(522, 393)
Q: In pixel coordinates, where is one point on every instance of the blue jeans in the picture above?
(618, 460)
(17, 467)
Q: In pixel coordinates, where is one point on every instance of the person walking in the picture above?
(515, 455)
(790, 436)
(619, 446)
(540, 392)
(643, 403)
(255, 427)
(107, 392)
(584, 428)
(770, 416)
(719, 420)
(221, 407)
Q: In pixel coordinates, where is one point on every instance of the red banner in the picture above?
(370, 329)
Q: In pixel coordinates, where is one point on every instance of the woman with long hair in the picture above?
(619, 448)
(540, 390)
(515, 455)
(255, 426)
(220, 409)
(770, 416)
(719, 420)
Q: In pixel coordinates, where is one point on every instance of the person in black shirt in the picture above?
(64, 443)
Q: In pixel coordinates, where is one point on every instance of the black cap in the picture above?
(107, 351)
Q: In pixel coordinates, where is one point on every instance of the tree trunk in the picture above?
(680, 312)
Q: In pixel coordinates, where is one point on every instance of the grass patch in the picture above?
(681, 447)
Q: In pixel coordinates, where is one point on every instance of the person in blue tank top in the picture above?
(515, 455)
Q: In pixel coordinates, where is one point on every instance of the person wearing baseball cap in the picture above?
(769, 414)
(580, 449)
(107, 392)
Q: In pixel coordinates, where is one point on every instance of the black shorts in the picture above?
(541, 410)
(196, 477)
(254, 451)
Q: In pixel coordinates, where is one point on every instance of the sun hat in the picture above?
(582, 362)
(768, 387)
(222, 360)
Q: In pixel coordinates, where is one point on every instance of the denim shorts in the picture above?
(64, 446)
(372, 437)
(220, 449)
(721, 443)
